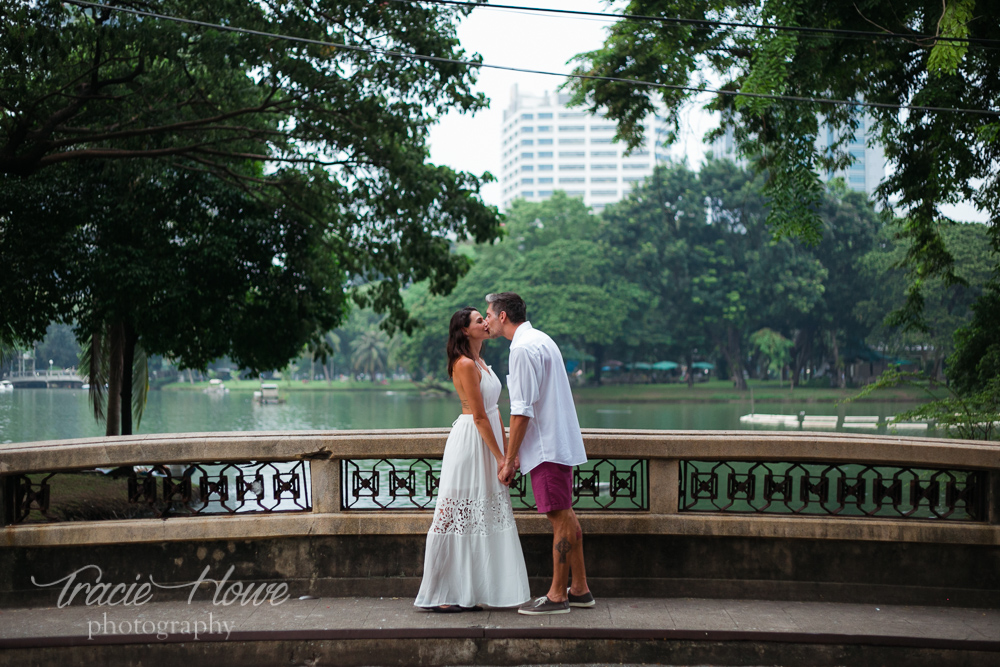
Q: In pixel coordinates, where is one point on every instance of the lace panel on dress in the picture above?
(475, 516)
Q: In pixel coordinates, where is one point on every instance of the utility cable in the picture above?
(978, 41)
(524, 70)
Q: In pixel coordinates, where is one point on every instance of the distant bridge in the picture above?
(57, 378)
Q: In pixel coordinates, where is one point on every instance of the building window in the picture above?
(633, 179)
(603, 166)
(565, 141)
(527, 116)
(527, 193)
(571, 128)
(604, 179)
(545, 167)
(544, 128)
(542, 154)
(572, 114)
(570, 180)
(527, 181)
(600, 140)
(571, 167)
(544, 116)
(571, 153)
(544, 142)
(603, 153)
(527, 129)
(576, 193)
(527, 167)
(602, 128)
(635, 166)
(640, 153)
(542, 181)
(527, 142)
(527, 156)
(545, 193)
(604, 193)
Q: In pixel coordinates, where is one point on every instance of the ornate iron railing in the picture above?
(168, 490)
(839, 489)
(412, 484)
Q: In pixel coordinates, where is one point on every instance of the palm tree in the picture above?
(368, 352)
(104, 355)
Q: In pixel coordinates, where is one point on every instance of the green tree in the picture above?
(937, 157)
(948, 307)
(182, 264)
(369, 352)
(776, 349)
(336, 134)
(552, 256)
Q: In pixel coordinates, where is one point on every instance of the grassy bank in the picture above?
(299, 385)
(720, 391)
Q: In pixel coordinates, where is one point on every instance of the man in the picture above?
(545, 436)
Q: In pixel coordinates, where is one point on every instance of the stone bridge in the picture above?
(810, 518)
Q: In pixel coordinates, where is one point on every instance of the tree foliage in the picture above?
(345, 130)
(937, 157)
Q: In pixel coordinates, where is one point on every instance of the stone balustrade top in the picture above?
(165, 448)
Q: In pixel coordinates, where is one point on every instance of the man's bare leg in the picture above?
(577, 568)
(567, 554)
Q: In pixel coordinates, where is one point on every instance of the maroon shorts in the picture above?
(552, 484)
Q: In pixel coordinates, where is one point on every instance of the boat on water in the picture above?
(216, 386)
(6, 385)
(268, 394)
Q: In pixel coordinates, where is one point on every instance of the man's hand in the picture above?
(507, 473)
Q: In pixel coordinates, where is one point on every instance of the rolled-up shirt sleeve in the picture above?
(523, 383)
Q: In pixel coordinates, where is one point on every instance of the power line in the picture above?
(524, 70)
(978, 41)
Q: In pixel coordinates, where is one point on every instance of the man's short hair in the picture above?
(510, 303)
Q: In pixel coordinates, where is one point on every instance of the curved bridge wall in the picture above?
(802, 516)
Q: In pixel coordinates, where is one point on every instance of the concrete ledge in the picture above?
(306, 524)
(365, 631)
(86, 453)
(515, 651)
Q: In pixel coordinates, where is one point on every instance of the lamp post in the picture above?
(50, 366)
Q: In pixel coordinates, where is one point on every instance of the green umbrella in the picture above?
(703, 364)
(664, 366)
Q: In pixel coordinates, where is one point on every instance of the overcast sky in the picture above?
(542, 42)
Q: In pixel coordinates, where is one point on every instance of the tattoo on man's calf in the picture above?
(563, 547)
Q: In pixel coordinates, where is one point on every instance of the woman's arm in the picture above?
(466, 377)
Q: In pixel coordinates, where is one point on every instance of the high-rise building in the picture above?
(865, 172)
(548, 146)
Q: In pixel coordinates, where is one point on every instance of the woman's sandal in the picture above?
(447, 609)
(452, 609)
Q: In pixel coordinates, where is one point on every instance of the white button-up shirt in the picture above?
(539, 389)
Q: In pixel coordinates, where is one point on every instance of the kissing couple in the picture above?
(473, 555)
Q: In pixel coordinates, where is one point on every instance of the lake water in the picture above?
(54, 414)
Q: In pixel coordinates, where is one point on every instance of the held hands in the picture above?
(507, 472)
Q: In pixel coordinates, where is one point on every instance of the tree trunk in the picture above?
(114, 412)
(690, 370)
(129, 340)
(734, 358)
(598, 362)
(841, 381)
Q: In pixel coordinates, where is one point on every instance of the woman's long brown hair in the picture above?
(458, 342)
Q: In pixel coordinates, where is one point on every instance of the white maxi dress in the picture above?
(473, 554)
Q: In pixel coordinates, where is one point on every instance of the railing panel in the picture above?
(833, 489)
(412, 484)
(161, 491)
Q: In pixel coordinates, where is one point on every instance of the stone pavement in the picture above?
(617, 619)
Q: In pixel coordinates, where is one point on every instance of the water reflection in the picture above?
(53, 414)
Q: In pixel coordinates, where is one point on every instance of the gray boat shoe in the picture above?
(543, 605)
(585, 600)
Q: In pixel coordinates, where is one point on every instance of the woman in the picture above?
(473, 555)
